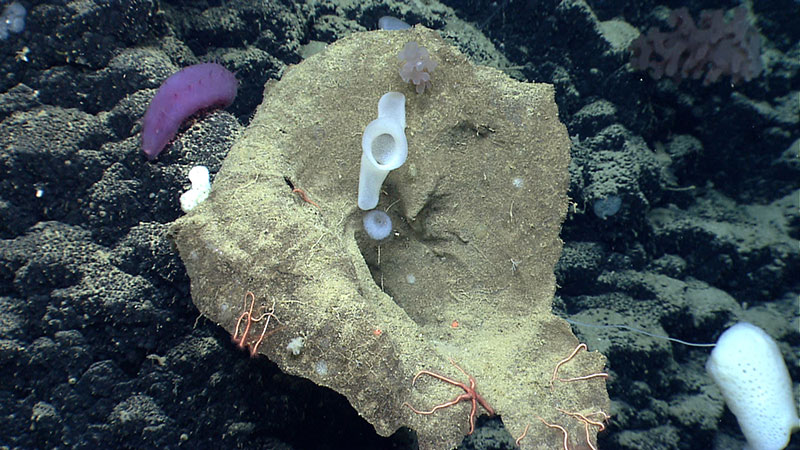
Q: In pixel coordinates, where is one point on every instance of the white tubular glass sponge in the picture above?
(384, 148)
(748, 367)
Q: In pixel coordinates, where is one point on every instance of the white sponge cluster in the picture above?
(201, 187)
(749, 369)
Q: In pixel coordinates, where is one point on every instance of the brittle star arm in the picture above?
(555, 377)
(246, 313)
(269, 315)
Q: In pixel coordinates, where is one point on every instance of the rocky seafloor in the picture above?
(100, 344)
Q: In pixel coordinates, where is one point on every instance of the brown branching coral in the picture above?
(713, 47)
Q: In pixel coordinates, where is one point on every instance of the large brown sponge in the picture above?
(467, 273)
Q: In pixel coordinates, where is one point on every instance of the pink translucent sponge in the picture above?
(417, 66)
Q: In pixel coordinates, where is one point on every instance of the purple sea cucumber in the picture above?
(184, 93)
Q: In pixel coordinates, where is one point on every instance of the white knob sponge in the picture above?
(201, 187)
(748, 367)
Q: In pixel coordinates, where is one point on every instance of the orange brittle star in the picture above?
(470, 394)
(585, 418)
(587, 421)
(248, 313)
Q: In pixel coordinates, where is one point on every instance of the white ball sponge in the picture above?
(377, 224)
(201, 187)
(748, 367)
